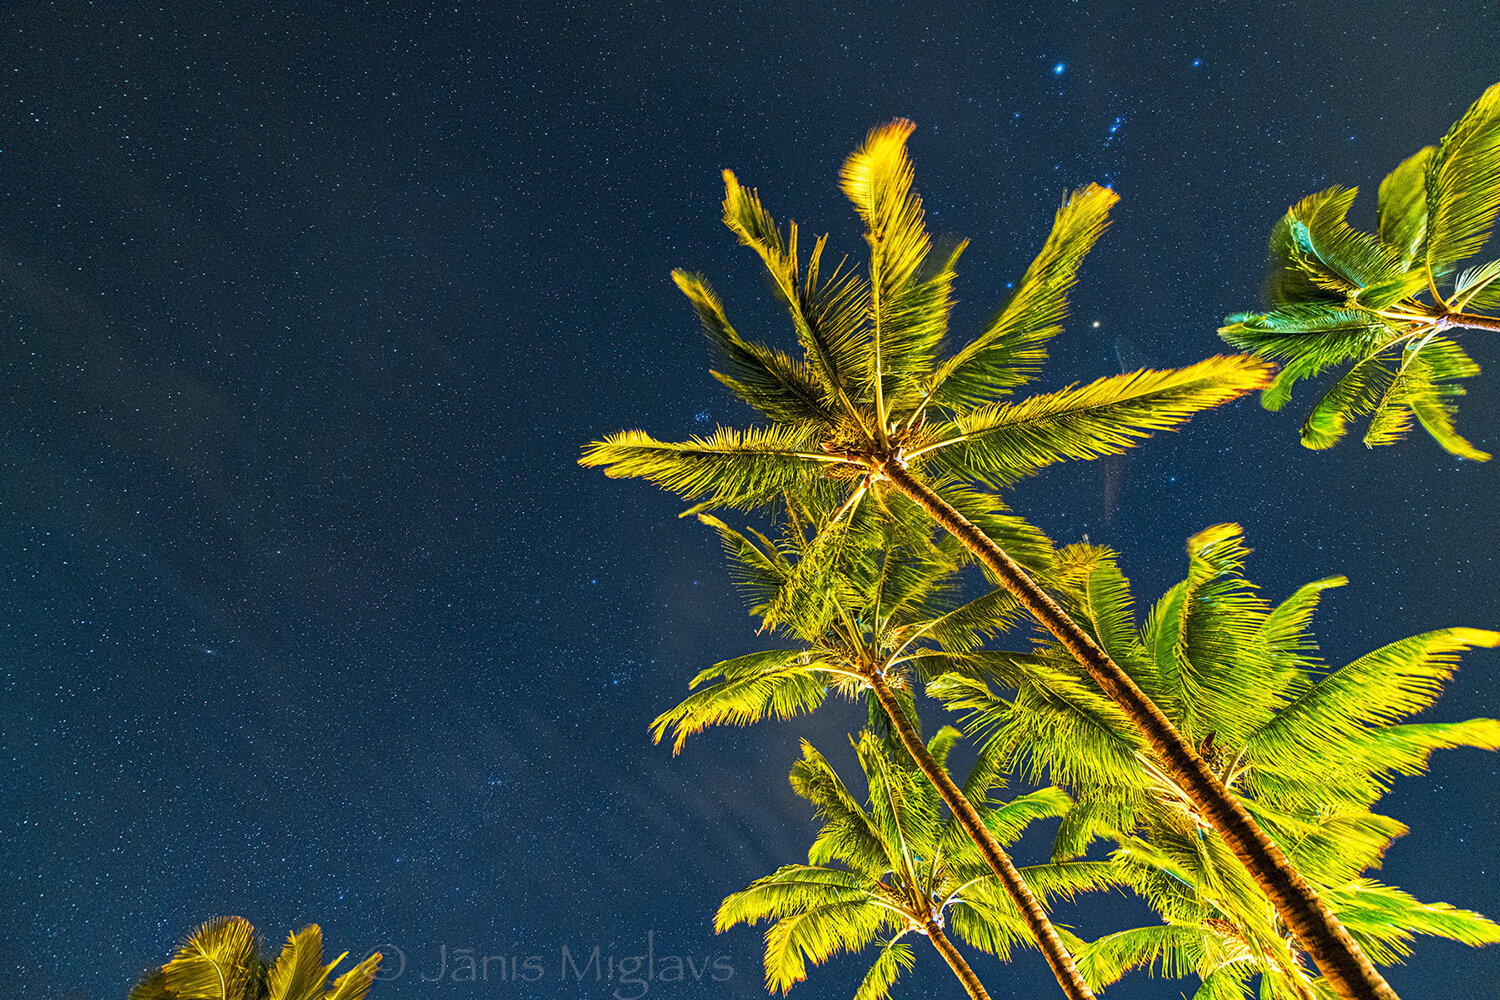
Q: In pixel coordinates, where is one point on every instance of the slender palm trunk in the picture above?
(1015, 886)
(956, 962)
(1337, 955)
(1472, 321)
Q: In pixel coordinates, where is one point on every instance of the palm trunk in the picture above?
(956, 962)
(1337, 955)
(1015, 886)
(1472, 321)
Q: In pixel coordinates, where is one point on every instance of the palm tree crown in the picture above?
(895, 867)
(875, 386)
(1340, 295)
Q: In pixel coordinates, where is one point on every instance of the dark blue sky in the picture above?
(306, 611)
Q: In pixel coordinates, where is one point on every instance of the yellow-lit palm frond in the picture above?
(999, 445)
(1010, 350)
(220, 960)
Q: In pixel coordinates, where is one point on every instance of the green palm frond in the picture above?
(1338, 260)
(893, 865)
(1227, 982)
(788, 890)
(816, 934)
(216, 962)
(741, 469)
(1402, 216)
(220, 960)
(1340, 295)
(1285, 632)
(1385, 920)
(756, 566)
(827, 313)
(1378, 689)
(908, 310)
(1210, 664)
(1009, 820)
(1010, 350)
(1356, 393)
(972, 624)
(1478, 288)
(1000, 445)
(849, 833)
(1423, 387)
(1167, 951)
(1463, 186)
(1097, 596)
(779, 683)
(895, 958)
(769, 380)
(1307, 338)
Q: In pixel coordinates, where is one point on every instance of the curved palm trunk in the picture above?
(956, 962)
(1337, 955)
(1020, 893)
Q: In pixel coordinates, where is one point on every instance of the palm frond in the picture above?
(1285, 630)
(1356, 392)
(786, 891)
(1210, 666)
(1227, 982)
(1402, 215)
(1338, 259)
(1010, 350)
(850, 834)
(1378, 689)
(1308, 338)
(1463, 186)
(895, 958)
(298, 972)
(1384, 920)
(1167, 951)
(1423, 387)
(354, 984)
(827, 313)
(755, 564)
(1003, 444)
(1478, 288)
(740, 469)
(1098, 597)
(908, 314)
(769, 380)
(779, 683)
(215, 962)
(817, 934)
(1009, 820)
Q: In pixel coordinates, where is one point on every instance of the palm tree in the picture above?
(1307, 750)
(1338, 294)
(221, 960)
(1217, 926)
(874, 407)
(870, 600)
(902, 870)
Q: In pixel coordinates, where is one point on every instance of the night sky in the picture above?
(307, 612)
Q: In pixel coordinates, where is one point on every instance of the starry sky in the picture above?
(307, 612)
